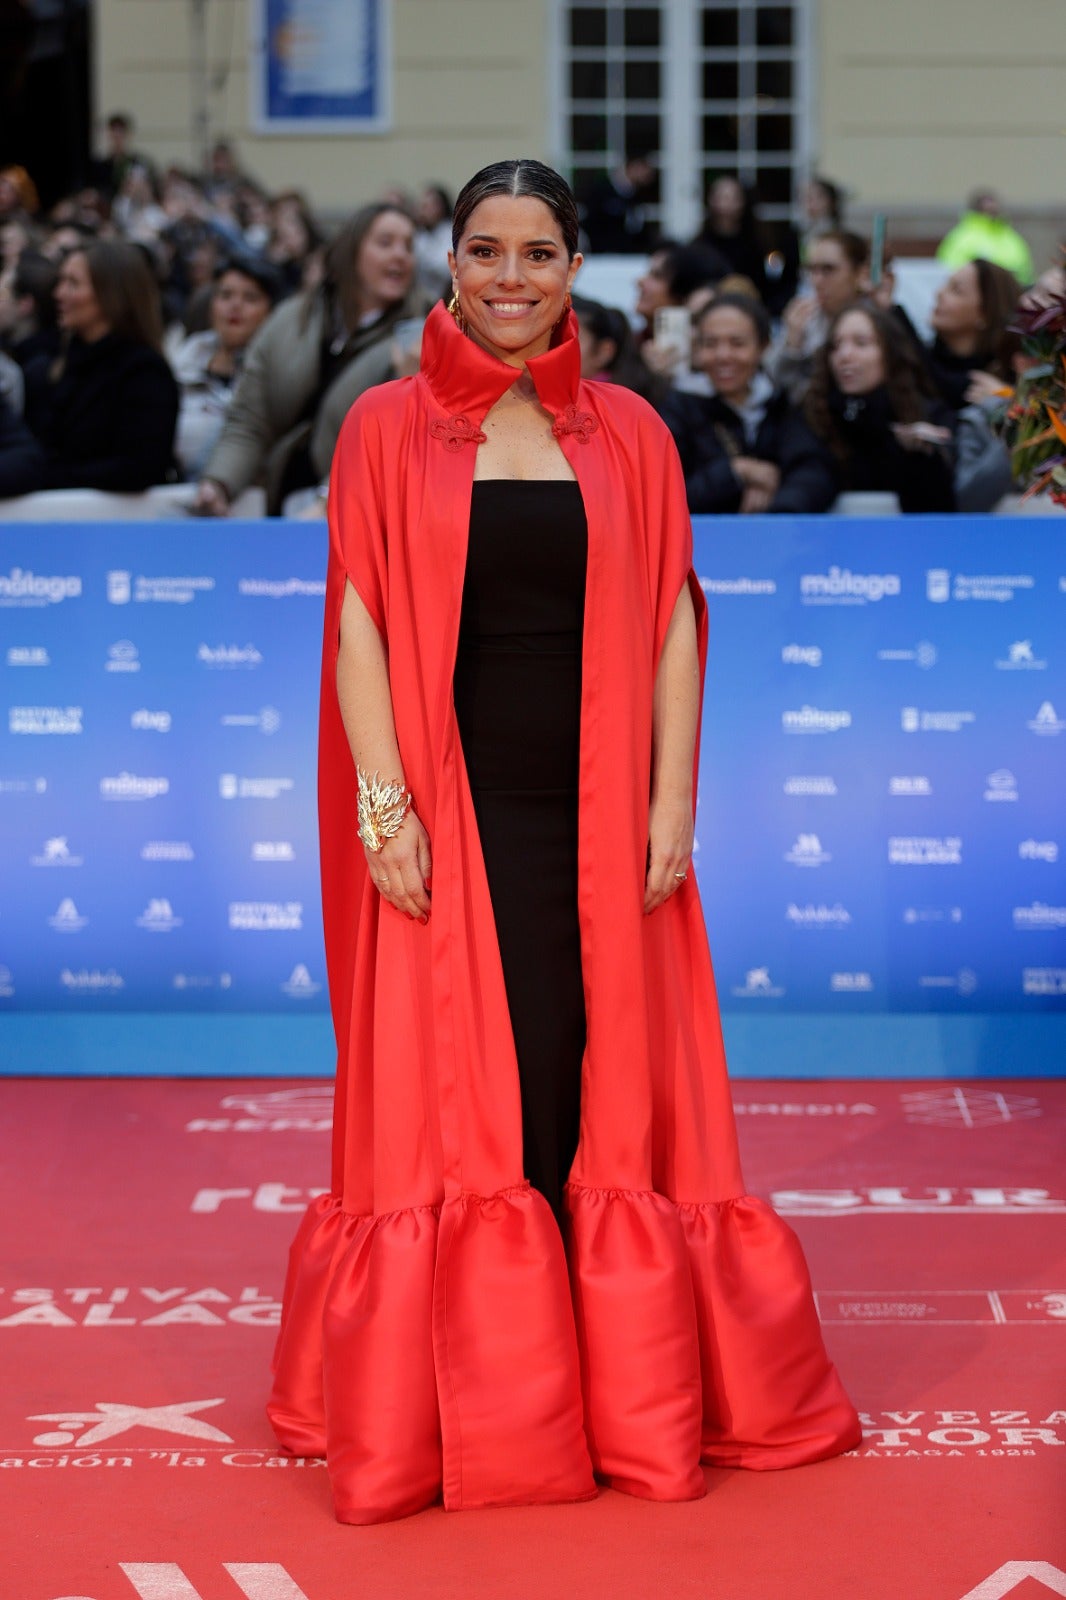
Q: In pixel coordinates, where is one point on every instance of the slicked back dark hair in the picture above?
(519, 180)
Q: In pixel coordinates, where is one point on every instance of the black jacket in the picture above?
(107, 421)
(21, 457)
(876, 461)
(703, 429)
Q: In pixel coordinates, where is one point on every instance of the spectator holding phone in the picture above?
(674, 272)
(745, 448)
(866, 402)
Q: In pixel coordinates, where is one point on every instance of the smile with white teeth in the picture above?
(511, 306)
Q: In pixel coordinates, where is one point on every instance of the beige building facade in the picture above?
(910, 105)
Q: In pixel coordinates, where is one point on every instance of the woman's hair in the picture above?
(999, 291)
(903, 376)
(520, 180)
(35, 275)
(687, 267)
(257, 271)
(342, 257)
(754, 310)
(854, 247)
(126, 289)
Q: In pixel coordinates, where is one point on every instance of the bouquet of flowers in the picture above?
(1033, 425)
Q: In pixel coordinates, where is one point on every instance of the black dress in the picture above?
(518, 703)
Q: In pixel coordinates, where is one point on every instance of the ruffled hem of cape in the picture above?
(450, 1352)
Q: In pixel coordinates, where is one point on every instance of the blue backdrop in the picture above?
(878, 831)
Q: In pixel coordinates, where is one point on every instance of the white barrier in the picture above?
(95, 505)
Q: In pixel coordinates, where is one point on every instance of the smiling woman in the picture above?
(311, 360)
(530, 1068)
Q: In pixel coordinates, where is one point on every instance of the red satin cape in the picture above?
(436, 1338)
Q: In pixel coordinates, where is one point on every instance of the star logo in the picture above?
(110, 1419)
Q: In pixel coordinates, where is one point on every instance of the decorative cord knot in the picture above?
(454, 432)
(582, 424)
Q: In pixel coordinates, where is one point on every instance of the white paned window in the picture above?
(705, 86)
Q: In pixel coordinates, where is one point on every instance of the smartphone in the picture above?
(673, 329)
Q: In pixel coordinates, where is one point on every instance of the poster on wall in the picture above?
(320, 66)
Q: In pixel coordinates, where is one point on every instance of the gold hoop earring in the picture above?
(455, 310)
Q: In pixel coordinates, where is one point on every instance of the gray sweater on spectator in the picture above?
(279, 405)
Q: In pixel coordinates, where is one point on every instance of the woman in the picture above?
(207, 365)
(433, 238)
(730, 228)
(745, 448)
(971, 314)
(675, 272)
(516, 949)
(311, 359)
(105, 409)
(837, 267)
(866, 403)
(608, 352)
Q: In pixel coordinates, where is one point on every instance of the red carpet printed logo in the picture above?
(308, 1109)
(256, 1580)
(110, 1420)
(934, 1433)
(1012, 1574)
(967, 1108)
(140, 1308)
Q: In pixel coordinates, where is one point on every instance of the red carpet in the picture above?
(146, 1226)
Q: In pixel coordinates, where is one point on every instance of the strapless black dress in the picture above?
(518, 703)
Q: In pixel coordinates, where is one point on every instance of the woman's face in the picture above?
(957, 312)
(856, 359)
(291, 239)
(817, 206)
(238, 306)
(76, 302)
(725, 203)
(728, 349)
(513, 274)
(385, 263)
(836, 282)
(653, 289)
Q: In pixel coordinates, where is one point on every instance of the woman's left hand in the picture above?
(670, 838)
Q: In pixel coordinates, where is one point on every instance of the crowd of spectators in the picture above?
(169, 326)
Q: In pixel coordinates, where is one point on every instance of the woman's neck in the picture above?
(961, 344)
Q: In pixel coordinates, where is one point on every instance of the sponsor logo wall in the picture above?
(879, 827)
(157, 769)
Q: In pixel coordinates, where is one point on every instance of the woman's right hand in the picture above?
(212, 499)
(402, 869)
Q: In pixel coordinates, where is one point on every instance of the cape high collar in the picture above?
(466, 380)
